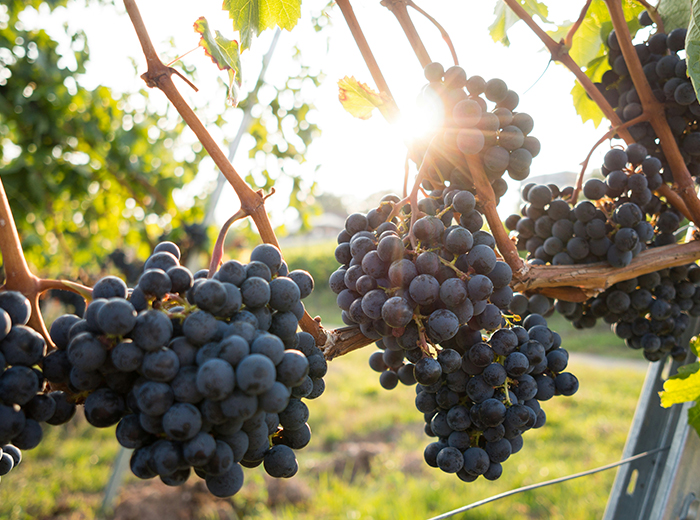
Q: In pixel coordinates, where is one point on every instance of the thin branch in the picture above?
(560, 53)
(655, 16)
(674, 200)
(182, 56)
(158, 75)
(572, 31)
(487, 198)
(398, 8)
(218, 251)
(367, 55)
(443, 32)
(609, 134)
(655, 110)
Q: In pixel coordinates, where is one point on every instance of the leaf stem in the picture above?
(572, 31)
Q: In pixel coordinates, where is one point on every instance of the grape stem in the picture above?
(609, 134)
(252, 202)
(655, 110)
(655, 16)
(560, 53)
(568, 40)
(217, 253)
(399, 10)
(486, 196)
(367, 55)
(443, 32)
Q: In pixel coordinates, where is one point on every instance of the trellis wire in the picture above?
(474, 505)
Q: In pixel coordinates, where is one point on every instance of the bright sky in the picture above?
(356, 157)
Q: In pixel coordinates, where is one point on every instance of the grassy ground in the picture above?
(364, 462)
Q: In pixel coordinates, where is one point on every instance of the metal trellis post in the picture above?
(667, 485)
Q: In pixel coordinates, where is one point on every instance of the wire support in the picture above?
(547, 483)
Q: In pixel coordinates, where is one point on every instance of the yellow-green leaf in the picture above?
(683, 387)
(694, 417)
(224, 52)
(359, 99)
(505, 18)
(585, 107)
(251, 17)
(695, 345)
(674, 13)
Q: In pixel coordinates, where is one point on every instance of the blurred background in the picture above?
(98, 169)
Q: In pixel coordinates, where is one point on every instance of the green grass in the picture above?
(364, 461)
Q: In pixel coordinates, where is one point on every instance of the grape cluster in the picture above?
(612, 226)
(439, 312)
(481, 120)
(667, 75)
(199, 372)
(24, 401)
(649, 312)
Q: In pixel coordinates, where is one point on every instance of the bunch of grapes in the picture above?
(481, 120)
(649, 312)
(439, 311)
(667, 75)
(612, 226)
(25, 403)
(199, 372)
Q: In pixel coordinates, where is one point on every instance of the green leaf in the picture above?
(695, 345)
(682, 387)
(358, 99)
(675, 13)
(692, 46)
(251, 17)
(694, 417)
(224, 53)
(585, 107)
(506, 18)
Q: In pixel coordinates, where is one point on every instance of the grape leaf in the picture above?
(682, 387)
(692, 46)
(224, 53)
(675, 13)
(695, 345)
(505, 18)
(251, 17)
(694, 417)
(358, 99)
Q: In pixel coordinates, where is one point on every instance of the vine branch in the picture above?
(399, 10)
(367, 55)
(656, 112)
(253, 203)
(443, 32)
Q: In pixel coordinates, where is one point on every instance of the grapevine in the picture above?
(207, 372)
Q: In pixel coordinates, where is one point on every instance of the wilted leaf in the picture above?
(683, 387)
(251, 17)
(358, 99)
(224, 53)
